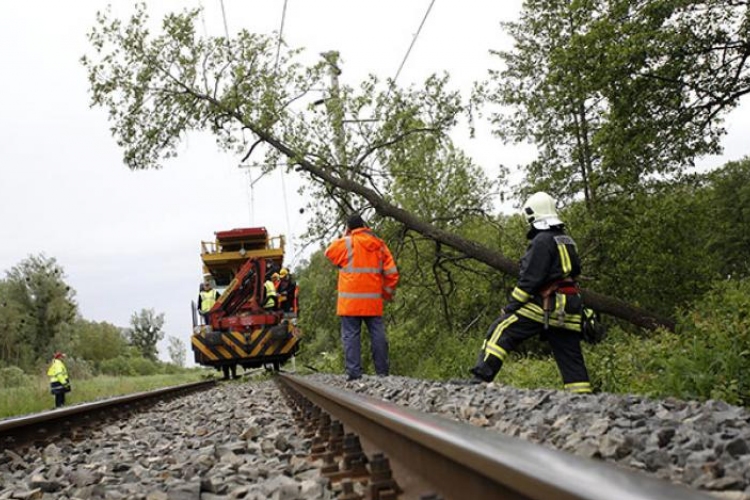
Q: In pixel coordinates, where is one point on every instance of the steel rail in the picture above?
(464, 461)
(17, 430)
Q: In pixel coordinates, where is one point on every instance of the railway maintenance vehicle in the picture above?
(238, 330)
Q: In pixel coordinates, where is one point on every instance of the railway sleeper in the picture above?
(344, 462)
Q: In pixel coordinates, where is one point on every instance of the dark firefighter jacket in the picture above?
(550, 257)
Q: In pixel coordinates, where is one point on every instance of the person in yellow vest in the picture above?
(271, 300)
(58, 379)
(206, 299)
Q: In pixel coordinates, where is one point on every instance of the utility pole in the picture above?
(334, 107)
(335, 111)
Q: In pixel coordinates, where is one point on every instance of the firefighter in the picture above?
(367, 276)
(58, 379)
(546, 301)
(206, 299)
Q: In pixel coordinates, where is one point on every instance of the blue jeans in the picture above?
(351, 327)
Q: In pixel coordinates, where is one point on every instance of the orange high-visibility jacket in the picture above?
(367, 273)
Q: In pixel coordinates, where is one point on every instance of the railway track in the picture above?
(394, 452)
(365, 447)
(15, 432)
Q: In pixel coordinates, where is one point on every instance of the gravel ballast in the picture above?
(702, 445)
(238, 440)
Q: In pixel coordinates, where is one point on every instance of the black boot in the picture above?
(481, 375)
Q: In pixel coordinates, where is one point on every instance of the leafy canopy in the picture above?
(616, 93)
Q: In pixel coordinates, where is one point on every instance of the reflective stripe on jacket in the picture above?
(367, 273)
(57, 372)
(551, 256)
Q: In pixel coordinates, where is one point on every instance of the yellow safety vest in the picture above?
(208, 299)
(270, 294)
(57, 372)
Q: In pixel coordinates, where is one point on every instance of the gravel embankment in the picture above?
(234, 441)
(239, 441)
(702, 445)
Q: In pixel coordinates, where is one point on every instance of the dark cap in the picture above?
(354, 221)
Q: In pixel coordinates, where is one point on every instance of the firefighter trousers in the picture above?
(508, 332)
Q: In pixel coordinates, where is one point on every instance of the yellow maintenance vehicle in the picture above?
(238, 330)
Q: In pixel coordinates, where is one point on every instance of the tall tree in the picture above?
(98, 341)
(159, 88)
(614, 92)
(40, 304)
(551, 99)
(177, 351)
(146, 331)
(16, 328)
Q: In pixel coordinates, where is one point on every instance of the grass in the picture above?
(36, 397)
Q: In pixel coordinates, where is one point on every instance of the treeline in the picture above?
(679, 248)
(39, 315)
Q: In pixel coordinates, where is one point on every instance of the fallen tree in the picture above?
(156, 90)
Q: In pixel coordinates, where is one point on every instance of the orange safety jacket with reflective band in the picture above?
(367, 273)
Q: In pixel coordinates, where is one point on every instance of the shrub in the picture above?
(117, 367)
(79, 369)
(143, 366)
(714, 356)
(707, 357)
(13, 376)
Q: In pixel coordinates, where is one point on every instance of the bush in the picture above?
(430, 352)
(714, 352)
(143, 366)
(707, 357)
(79, 369)
(169, 369)
(13, 376)
(117, 367)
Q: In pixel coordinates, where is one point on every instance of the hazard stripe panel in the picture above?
(238, 346)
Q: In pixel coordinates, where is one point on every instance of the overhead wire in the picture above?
(281, 32)
(224, 17)
(281, 168)
(413, 41)
(203, 18)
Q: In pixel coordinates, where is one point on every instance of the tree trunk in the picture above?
(602, 303)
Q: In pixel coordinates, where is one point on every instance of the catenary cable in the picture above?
(413, 41)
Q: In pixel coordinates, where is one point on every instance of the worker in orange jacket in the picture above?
(367, 276)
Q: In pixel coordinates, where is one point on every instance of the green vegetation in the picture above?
(677, 248)
(33, 395)
(707, 358)
(38, 316)
(620, 98)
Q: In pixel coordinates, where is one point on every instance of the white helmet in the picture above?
(540, 211)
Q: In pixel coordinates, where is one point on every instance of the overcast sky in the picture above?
(130, 240)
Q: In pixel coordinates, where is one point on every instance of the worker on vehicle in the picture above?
(286, 290)
(58, 379)
(546, 301)
(271, 300)
(206, 299)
